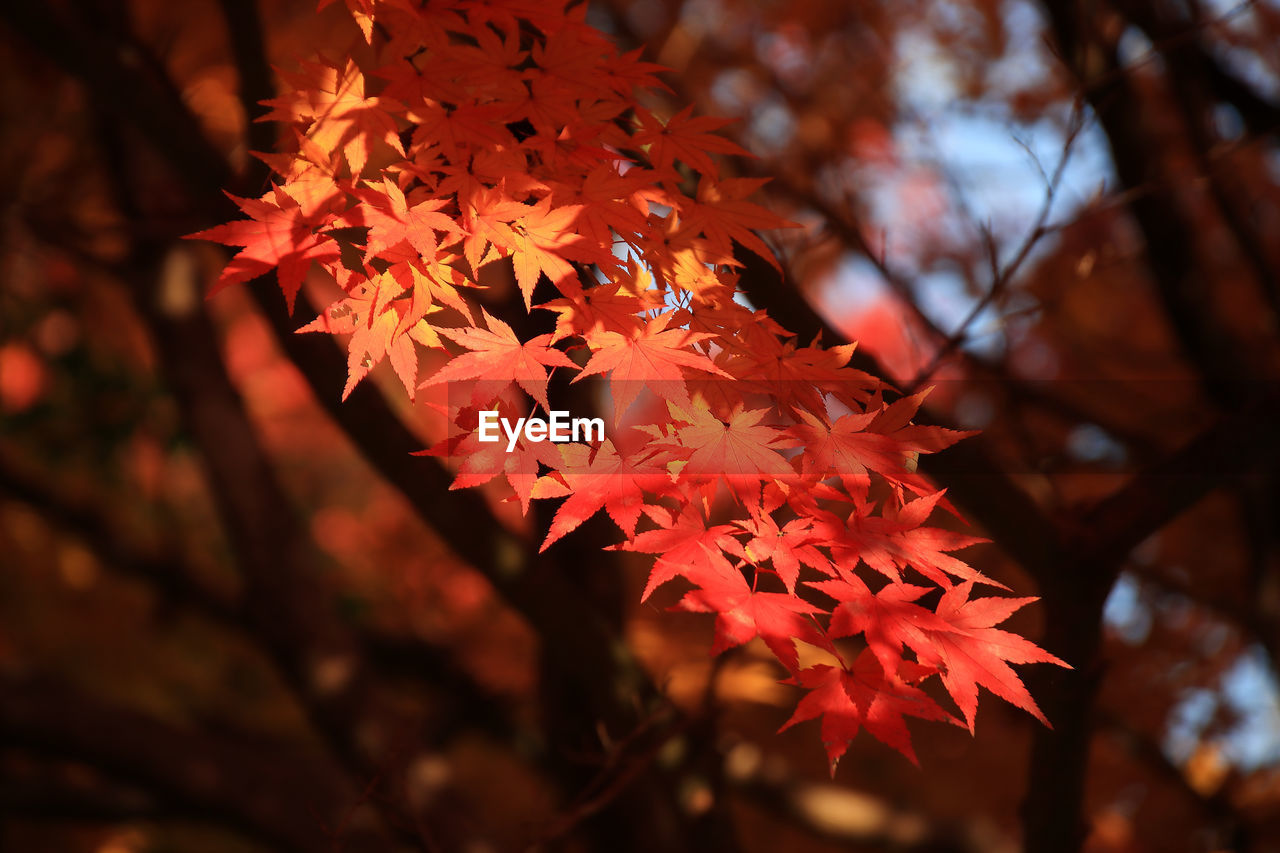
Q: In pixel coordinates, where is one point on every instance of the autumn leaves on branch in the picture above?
(766, 474)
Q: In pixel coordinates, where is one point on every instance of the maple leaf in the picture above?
(342, 117)
(490, 65)
(612, 201)
(310, 178)
(856, 446)
(600, 478)
(891, 542)
(543, 239)
(862, 696)
(970, 652)
(787, 547)
(690, 264)
(374, 340)
(888, 619)
(481, 462)
(433, 283)
(276, 237)
(462, 129)
(497, 352)
(379, 328)
(563, 56)
(361, 11)
(612, 307)
(688, 548)
(628, 72)
(486, 215)
(741, 451)
(797, 377)
(391, 220)
(687, 138)
(723, 215)
(655, 357)
(742, 614)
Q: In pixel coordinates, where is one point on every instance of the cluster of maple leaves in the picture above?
(775, 481)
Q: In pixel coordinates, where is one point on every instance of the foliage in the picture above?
(771, 476)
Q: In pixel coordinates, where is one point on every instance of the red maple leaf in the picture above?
(862, 696)
(787, 547)
(741, 451)
(612, 201)
(687, 138)
(898, 539)
(723, 215)
(486, 215)
(599, 477)
(497, 352)
(687, 547)
(887, 619)
(479, 462)
(340, 115)
(393, 221)
(742, 614)
(379, 328)
(654, 357)
(971, 652)
(276, 237)
(611, 307)
(544, 242)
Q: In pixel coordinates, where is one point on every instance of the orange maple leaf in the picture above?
(497, 352)
(276, 237)
(654, 357)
